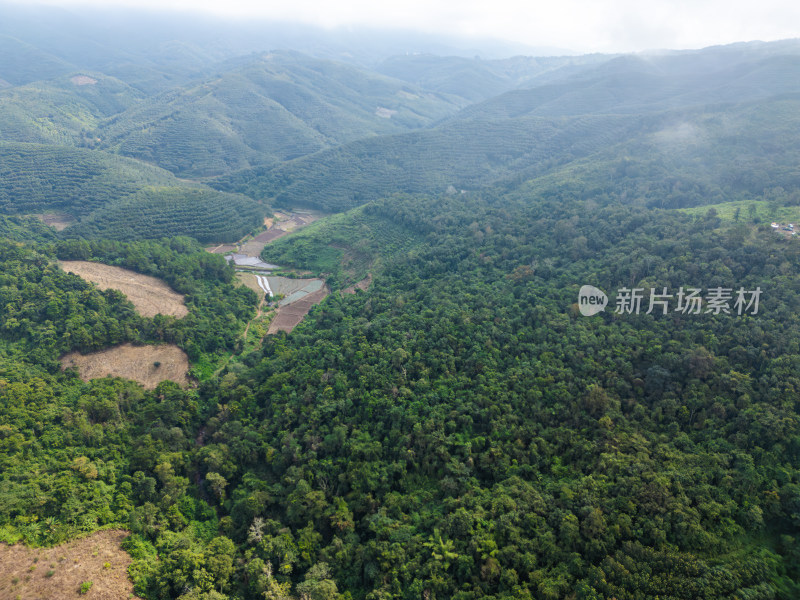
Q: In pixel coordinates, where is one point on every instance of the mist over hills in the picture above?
(608, 113)
(179, 43)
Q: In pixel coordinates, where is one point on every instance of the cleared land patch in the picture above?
(58, 572)
(58, 221)
(83, 80)
(249, 279)
(149, 365)
(362, 285)
(222, 248)
(149, 295)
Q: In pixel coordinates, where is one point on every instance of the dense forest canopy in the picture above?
(454, 427)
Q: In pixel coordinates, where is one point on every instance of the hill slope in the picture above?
(65, 111)
(270, 108)
(116, 196)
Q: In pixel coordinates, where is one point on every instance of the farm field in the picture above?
(149, 295)
(58, 572)
(300, 295)
(282, 224)
(133, 362)
(289, 316)
(293, 289)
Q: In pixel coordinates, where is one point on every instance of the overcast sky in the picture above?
(579, 25)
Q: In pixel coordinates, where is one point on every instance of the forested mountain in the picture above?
(65, 111)
(475, 79)
(687, 114)
(271, 108)
(23, 63)
(670, 159)
(459, 430)
(463, 154)
(454, 427)
(642, 83)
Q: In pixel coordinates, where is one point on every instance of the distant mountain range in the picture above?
(278, 126)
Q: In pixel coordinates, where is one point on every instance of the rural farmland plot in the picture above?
(294, 288)
(290, 315)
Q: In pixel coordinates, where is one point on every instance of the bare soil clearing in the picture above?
(149, 295)
(222, 249)
(269, 236)
(50, 573)
(58, 221)
(133, 362)
(83, 80)
(362, 285)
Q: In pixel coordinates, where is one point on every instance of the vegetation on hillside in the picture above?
(116, 197)
(344, 248)
(458, 430)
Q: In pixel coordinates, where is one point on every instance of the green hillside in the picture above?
(270, 108)
(346, 247)
(670, 160)
(465, 155)
(157, 212)
(474, 79)
(66, 111)
(689, 159)
(35, 177)
(21, 62)
(457, 429)
(117, 197)
(636, 84)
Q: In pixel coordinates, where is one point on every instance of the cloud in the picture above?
(584, 25)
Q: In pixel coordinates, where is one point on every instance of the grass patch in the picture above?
(749, 211)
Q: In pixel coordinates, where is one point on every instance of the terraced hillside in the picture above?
(117, 197)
